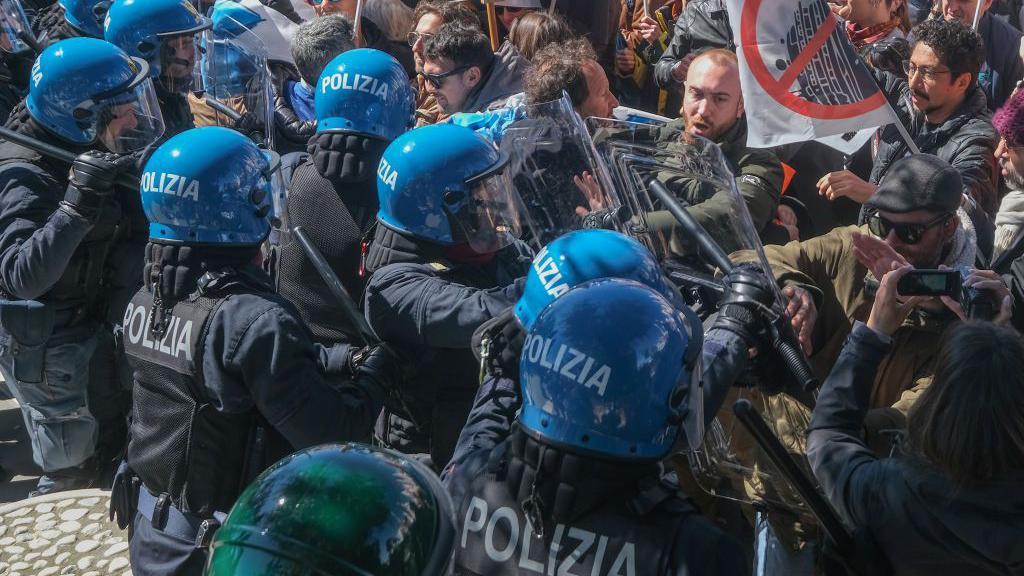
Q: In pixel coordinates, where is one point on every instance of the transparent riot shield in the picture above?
(15, 31)
(729, 463)
(232, 78)
(560, 182)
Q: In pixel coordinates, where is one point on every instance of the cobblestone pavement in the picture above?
(19, 474)
(62, 534)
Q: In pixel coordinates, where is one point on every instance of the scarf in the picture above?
(1009, 221)
(863, 36)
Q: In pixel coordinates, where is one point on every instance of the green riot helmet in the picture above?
(338, 510)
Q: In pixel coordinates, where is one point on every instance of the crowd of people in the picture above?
(435, 287)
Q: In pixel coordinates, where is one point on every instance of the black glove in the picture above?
(747, 305)
(378, 362)
(498, 344)
(251, 126)
(92, 180)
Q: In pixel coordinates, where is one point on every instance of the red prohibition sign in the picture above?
(779, 89)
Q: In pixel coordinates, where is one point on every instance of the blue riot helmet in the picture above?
(15, 30)
(84, 90)
(233, 68)
(611, 368)
(447, 185)
(163, 33)
(210, 186)
(576, 257)
(86, 16)
(365, 91)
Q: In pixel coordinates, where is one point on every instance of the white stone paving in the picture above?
(63, 534)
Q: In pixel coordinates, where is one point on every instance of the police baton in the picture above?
(363, 332)
(783, 337)
(46, 149)
(798, 479)
(223, 108)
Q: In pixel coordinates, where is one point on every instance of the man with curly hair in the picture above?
(571, 67)
(946, 114)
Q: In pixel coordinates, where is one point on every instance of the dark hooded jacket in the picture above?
(503, 79)
(924, 525)
(291, 133)
(703, 24)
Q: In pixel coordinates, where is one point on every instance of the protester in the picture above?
(570, 67)
(235, 382)
(333, 193)
(713, 109)
(871, 21)
(442, 262)
(1002, 67)
(59, 244)
(535, 30)
(950, 504)
(508, 11)
(703, 24)
(314, 44)
(369, 34)
(464, 76)
(1009, 241)
(391, 16)
(429, 16)
(644, 28)
(944, 111)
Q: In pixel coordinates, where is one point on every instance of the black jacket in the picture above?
(924, 526)
(703, 24)
(291, 133)
(1002, 67)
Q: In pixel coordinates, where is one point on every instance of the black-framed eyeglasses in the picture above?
(436, 80)
(413, 37)
(907, 232)
(929, 72)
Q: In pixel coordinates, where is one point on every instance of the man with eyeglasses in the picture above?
(914, 218)
(462, 73)
(946, 114)
(429, 16)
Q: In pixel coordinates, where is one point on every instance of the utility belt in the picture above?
(129, 496)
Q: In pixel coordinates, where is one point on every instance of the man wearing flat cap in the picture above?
(914, 217)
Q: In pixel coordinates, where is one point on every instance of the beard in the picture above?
(1014, 179)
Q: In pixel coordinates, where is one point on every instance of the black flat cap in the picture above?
(919, 182)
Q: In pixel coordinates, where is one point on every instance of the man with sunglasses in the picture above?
(462, 73)
(946, 114)
(914, 218)
(429, 16)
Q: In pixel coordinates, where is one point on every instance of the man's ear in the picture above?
(473, 76)
(739, 108)
(949, 230)
(963, 82)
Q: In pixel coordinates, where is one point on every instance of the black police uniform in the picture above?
(333, 196)
(526, 507)
(227, 380)
(50, 26)
(428, 308)
(57, 256)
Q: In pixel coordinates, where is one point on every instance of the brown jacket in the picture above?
(827, 268)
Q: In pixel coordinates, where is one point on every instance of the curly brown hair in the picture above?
(559, 67)
(449, 11)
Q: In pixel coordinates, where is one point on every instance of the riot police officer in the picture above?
(70, 19)
(385, 514)
(226, 377)
(607, 373)
(164, 33)
(363, 102)
(444, 259)
(90, 98)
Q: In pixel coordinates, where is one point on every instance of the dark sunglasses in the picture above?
(436, 80)
(499, 10)
(908, 233)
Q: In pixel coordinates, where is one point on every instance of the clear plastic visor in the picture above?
(130, 120)
(489, 219)
(15, 28)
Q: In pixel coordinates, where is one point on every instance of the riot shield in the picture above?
(560, 183)
(15, 31)
(693, 170)
(233, 72)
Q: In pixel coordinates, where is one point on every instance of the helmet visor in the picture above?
(233, 70)
(178, 56)
(489, 218)
(269, 195)
(130, 120)
(15, 30)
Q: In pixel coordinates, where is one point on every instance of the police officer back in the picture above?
(363, 101)
(227, 378)
(91, 99)
(444, 259)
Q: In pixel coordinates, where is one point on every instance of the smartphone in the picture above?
(620, 42)
(931, 283)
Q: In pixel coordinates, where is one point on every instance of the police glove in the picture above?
(380, 364)
(251, 126)
(746, 308)
(92, 180)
